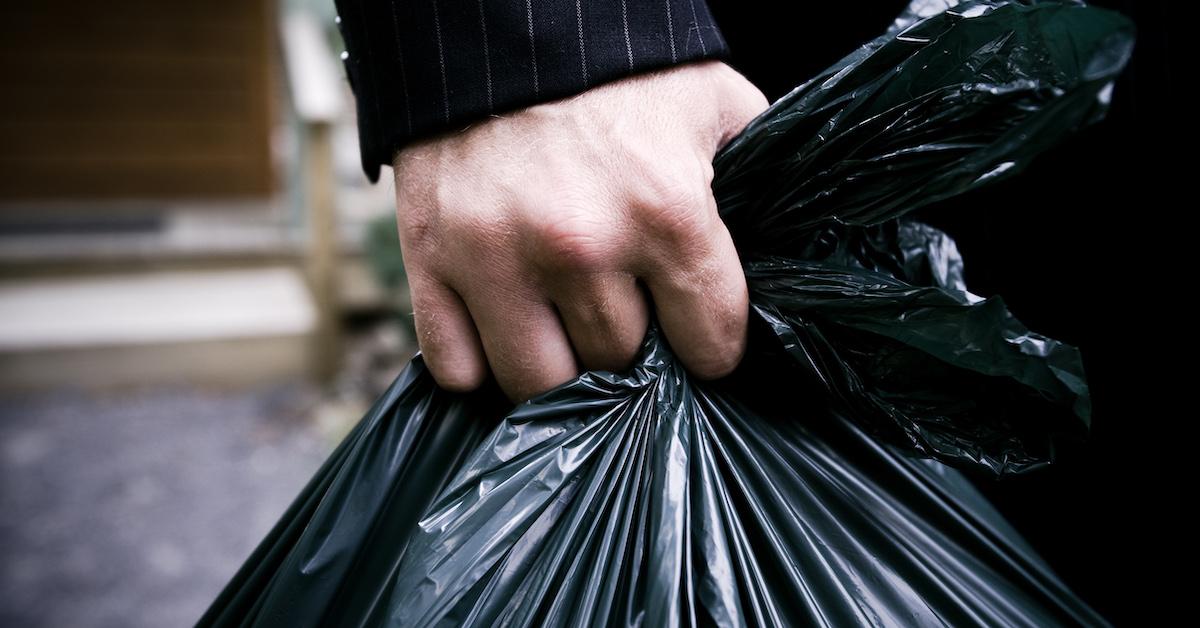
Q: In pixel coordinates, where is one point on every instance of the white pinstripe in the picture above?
(582, 48)
(699, 31)
(532, 46)
(671, 31)
(437, 27)
(487, 55)
(625, 23)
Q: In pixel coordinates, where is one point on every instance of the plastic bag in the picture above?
(815, 484)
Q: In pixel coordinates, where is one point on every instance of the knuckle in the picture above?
(676, 212)
(454, 366)
(453, 374)
(521, 385)
(432, 220)
(726, 343)
(574, 243)
(615, 356)
(720, 360)
(460, 243)
(676, 191)
(415, 220)
(456, 378)
(613, 344)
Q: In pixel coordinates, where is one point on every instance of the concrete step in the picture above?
(222, 327)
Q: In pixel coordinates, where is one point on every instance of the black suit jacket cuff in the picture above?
(421, 67)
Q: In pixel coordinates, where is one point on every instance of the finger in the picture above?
(702, 303)
(524, 341)
(606, 316)
(446, 335)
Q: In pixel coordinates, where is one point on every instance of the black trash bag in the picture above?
(818, 484)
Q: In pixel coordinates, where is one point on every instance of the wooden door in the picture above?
(135, 99)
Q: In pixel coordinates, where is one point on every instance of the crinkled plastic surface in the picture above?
(820, 483)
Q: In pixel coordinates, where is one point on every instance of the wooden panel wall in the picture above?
(135, 99)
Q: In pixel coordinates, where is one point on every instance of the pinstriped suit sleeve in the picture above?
(420, 67)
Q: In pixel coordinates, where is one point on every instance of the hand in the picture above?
(532, 239)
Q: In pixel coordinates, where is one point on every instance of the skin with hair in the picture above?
(537, 241)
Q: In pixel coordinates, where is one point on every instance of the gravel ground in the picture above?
(134, 508)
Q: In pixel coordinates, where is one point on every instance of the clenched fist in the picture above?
(536, 242)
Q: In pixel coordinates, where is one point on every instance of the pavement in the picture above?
(133, 508)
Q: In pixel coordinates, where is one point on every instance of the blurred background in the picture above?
(200, 293)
